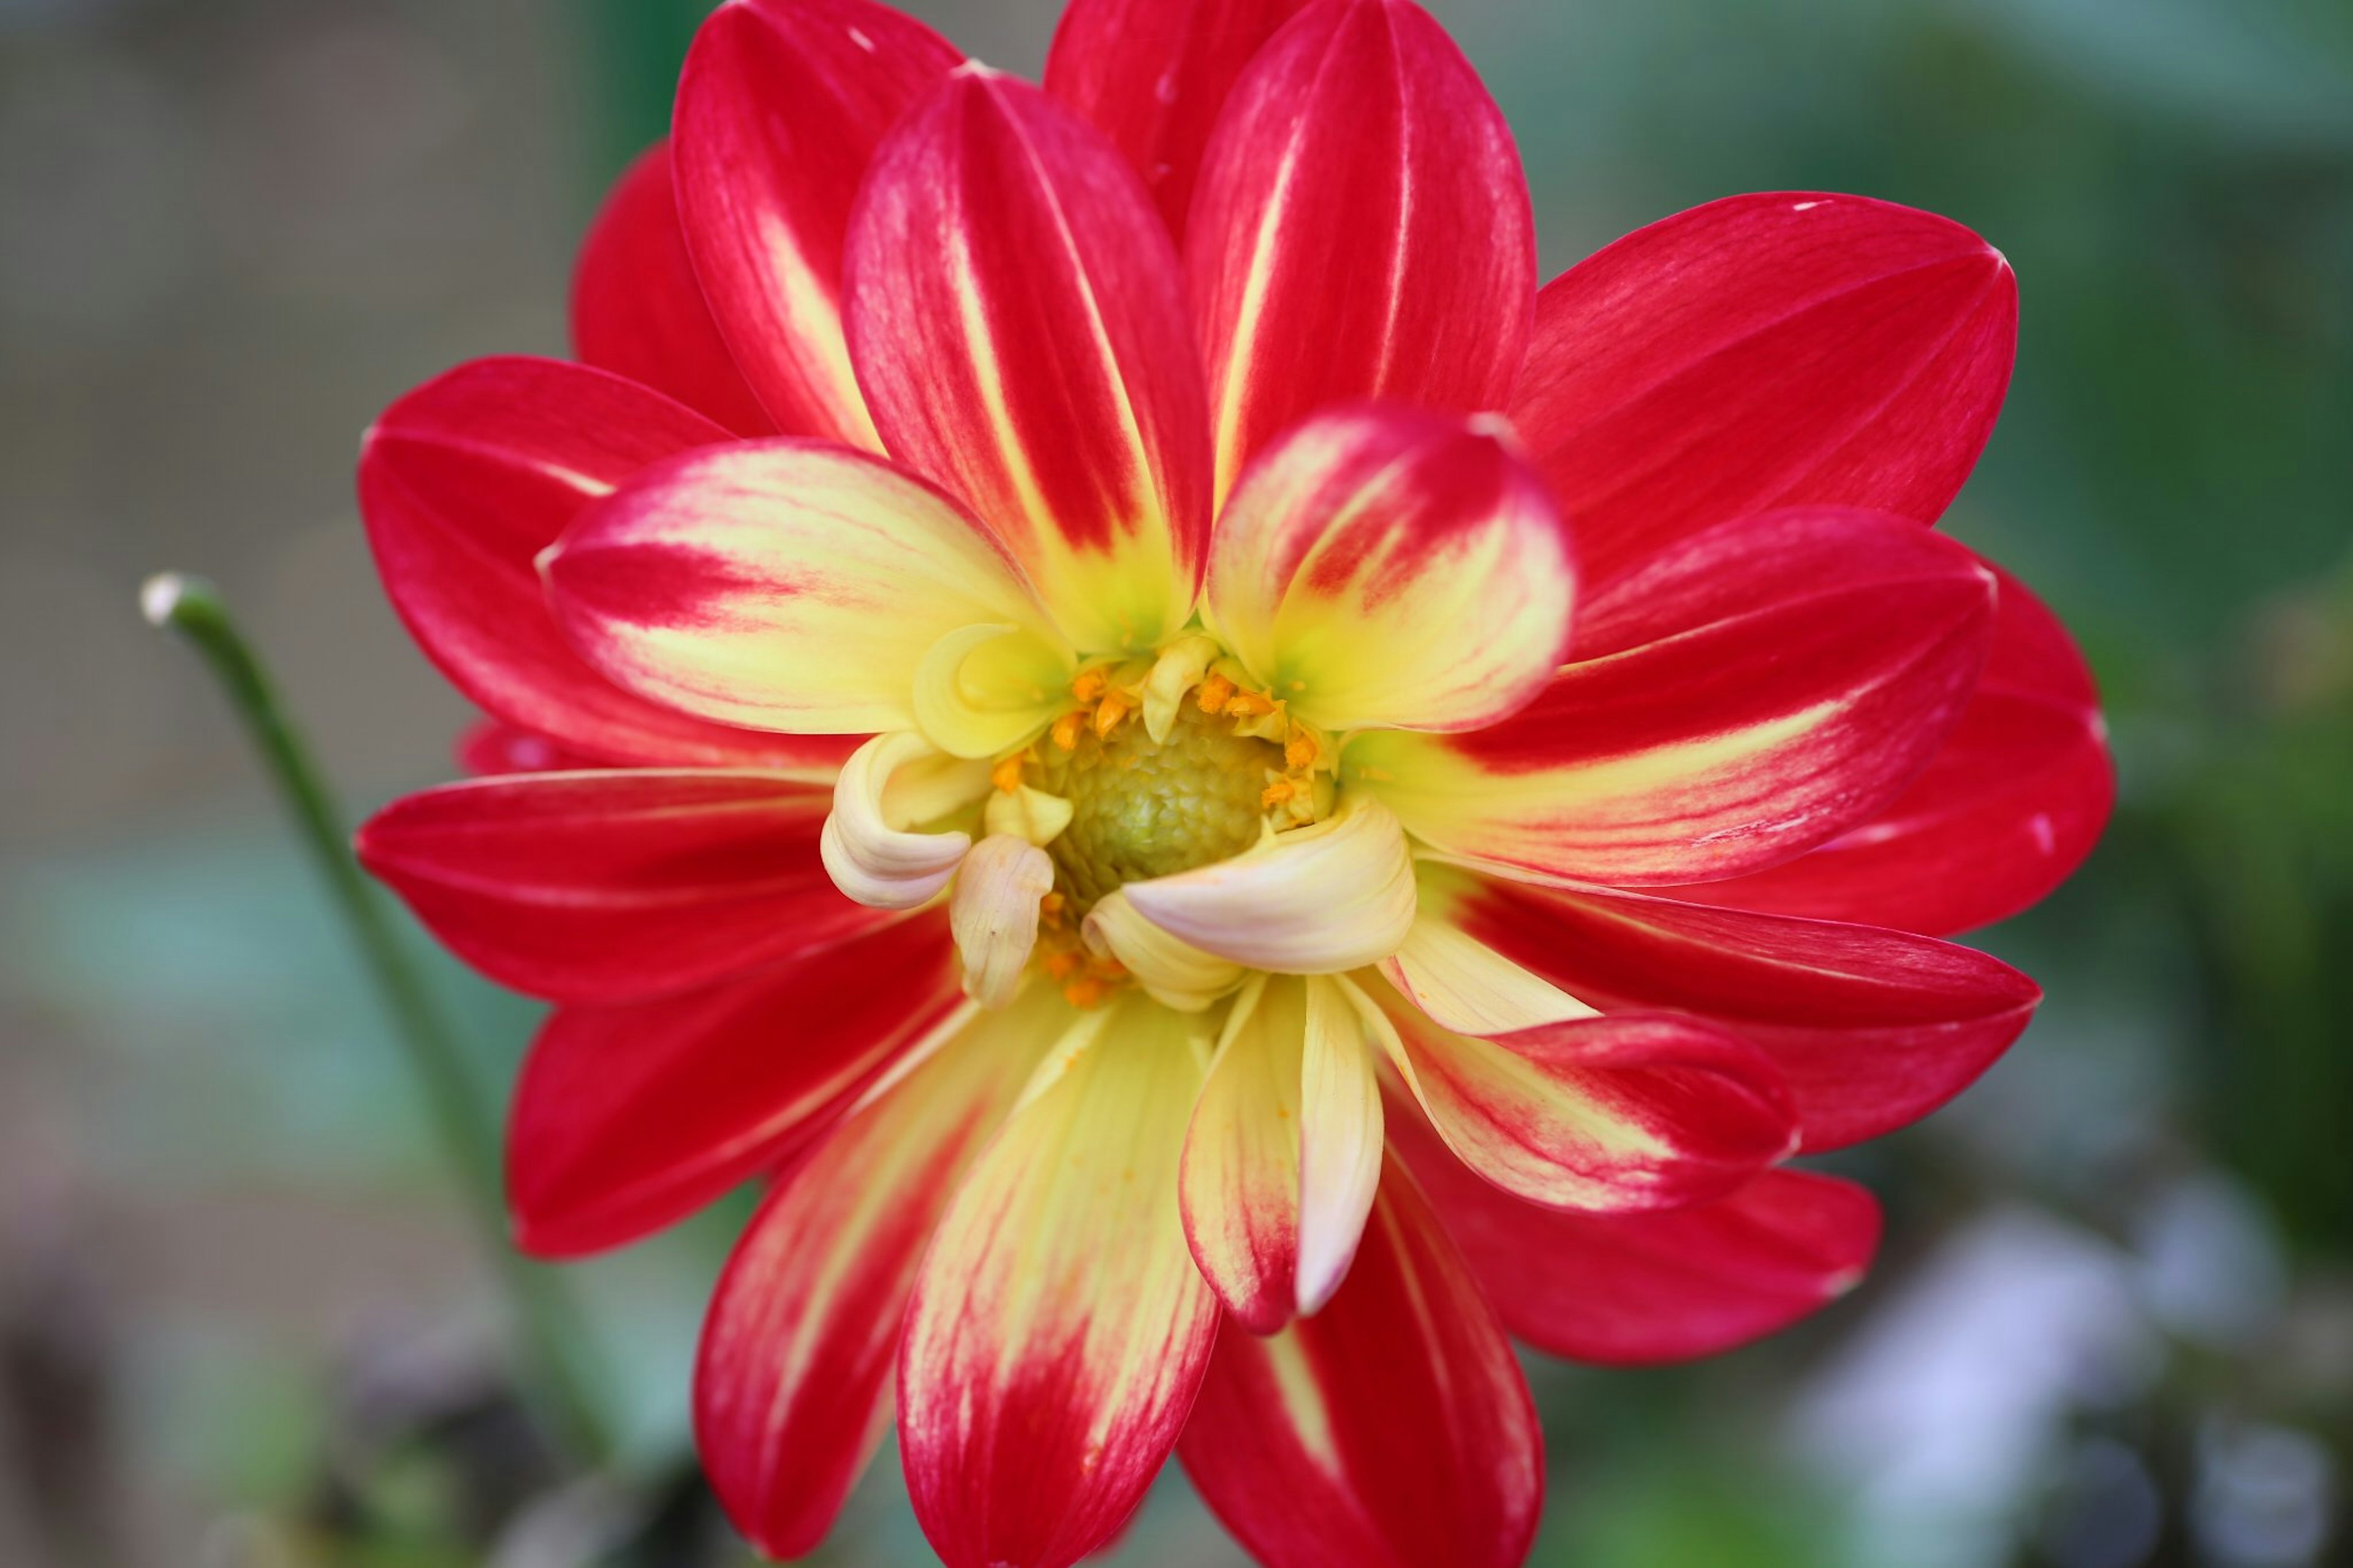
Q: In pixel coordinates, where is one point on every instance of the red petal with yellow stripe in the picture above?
(1872, 1028)
(1766, 350)
(1748, 694)
(1391, 1430)
(1362, 230)
(637, 310)
(1059, 1328)
(628, 1118)
(1615, 1114)
(615, 886)
(779, 110)
(1016, 316)
(792, 1385)
(463, 482)
(2009, 810)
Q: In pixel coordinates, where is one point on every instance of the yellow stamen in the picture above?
(1116, 706)
(1068, 726)
(1215, 692)
(1007, 775)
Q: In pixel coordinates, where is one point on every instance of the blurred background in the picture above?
(242, 1317)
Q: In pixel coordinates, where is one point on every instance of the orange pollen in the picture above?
(1249, 704)
(1007, 775)
(1276, 793)
(1088, 990)
(1300, 752)
(1064, 961)
(1115, 707)
(1068, 729)
(1215, 692)
(1088, 685)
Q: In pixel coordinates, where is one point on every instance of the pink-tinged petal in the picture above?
(1766, 350)
(491, 746)
(994, 914)
(780, 108)
(1152, 75)
(786, 585)
(792, 1386)
(1391, 1430)
(1640, 1289)
(1750, 693)
(1618, 1114)
(1017, 314)
(1336, 895)
(1284, 1151)
(1361, 229)
(637, 310)
(1382, 566)
(1872, 1028)
(1059, 1328)
(628, 1118)
(2005, 814)
(614, 886)
(463, 482)
(873, 846)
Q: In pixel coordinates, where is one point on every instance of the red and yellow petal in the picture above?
(628, 1118)
(637, 310)
(1017, 315)
(1871, 1028)
(1361, 229)
(780, 108)
(1391, 1430)
(1766, 350)
(2005, 814)
(1284, 1151)
(785, 585)
(1616, 1114)
(1640, 1289)
(792, 1385)
(1152, 75)
(1059, 1328)
(464, 482)
(611, 887)
(1748, 694)
(1383, 567)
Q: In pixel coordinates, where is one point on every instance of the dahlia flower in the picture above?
(1229, 803)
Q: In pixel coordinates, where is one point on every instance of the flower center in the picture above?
(1142, 808)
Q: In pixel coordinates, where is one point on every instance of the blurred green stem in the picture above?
(545, 1313)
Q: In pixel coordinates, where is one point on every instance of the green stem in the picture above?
(545, 1313)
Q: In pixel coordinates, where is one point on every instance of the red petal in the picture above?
(612, 887)
(491, 746)
(1747, 694)
(1153, 74)
(1873, 1028)
(628, 1118)
(1390, 1430)
(791, 1389)
(1059, 1328)
(464, 481)
(1361, 229)
(780, 108)
(1639, 1289)
(1766, 350)
(1616, 1114)
(637, 310)
(2005, 814)
(1017, 315)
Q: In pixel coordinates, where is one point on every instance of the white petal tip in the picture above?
(159, 595)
